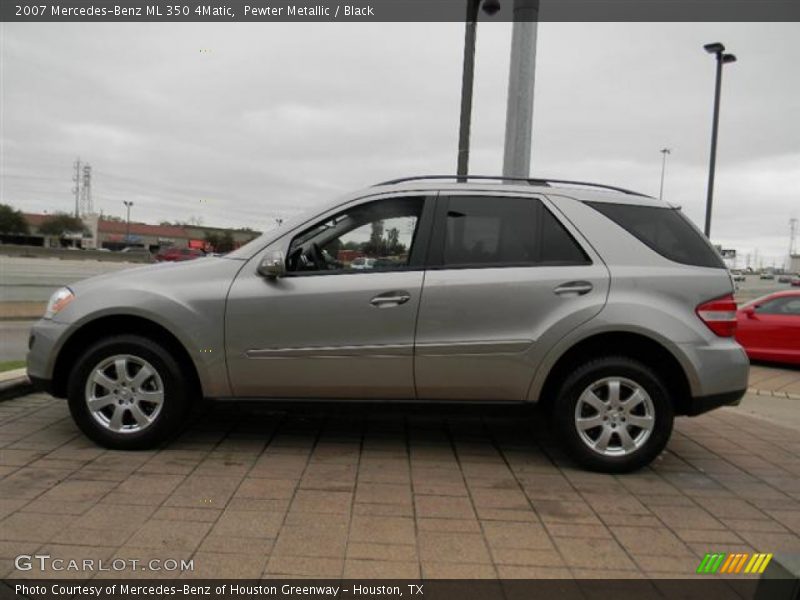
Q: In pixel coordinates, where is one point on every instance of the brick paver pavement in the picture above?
(390, 492)
(773, 380)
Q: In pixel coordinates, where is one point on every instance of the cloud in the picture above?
(273, 118)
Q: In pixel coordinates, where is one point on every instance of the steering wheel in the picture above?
(319, 257)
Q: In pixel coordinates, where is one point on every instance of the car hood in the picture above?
(171, 275)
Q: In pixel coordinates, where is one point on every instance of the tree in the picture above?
(376, 246)
(12, 221)
(213, 240)
(226, 242)
(60, 224)
(394, 246)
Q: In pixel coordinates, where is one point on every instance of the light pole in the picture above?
(722, 58)
(664, 152)
(490, 7)
(128, 205)
(521, 78)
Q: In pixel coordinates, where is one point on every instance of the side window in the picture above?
(505, 231)
(780, 306)
(664, 230)
(366, 238)
(557, 245)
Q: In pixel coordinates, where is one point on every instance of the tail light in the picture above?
(719, 315)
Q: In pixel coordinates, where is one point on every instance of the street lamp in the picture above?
(490, 7)
(128, 205)
(664, 152)
(722, 58)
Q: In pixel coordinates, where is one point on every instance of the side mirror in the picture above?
(273, 265)
(750, 311)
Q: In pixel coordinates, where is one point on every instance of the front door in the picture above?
(340, 324)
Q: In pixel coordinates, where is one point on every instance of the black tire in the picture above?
(173, 385)
(592, 373)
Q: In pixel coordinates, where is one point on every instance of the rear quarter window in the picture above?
(664, 230)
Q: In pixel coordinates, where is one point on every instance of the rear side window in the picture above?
(665, 230)
(505, 231)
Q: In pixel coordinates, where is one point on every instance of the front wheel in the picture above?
(127, 392)
(614, 414)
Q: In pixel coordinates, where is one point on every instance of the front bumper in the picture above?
(45, 340)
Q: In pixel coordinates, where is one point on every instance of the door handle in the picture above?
(577, 288)
(388, 299)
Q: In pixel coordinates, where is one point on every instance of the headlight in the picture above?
(58, 302)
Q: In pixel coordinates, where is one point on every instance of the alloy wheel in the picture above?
(124, 393)
(614, 416)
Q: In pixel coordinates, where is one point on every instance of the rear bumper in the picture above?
(718, 369)
(703, 404)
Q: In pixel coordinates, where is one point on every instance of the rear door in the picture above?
(506, 279)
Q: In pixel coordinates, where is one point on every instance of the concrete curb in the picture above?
(13, 388)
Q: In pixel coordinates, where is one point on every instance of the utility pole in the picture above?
(128, 205)
(521, 76)
(664, 152)
(490, 7)
(77, 189)
(718, 50)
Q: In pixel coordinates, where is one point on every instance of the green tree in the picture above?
(376, 246)
(213, 240)
(12, 221)
(393, 242)
(61, 223)
(226, 242)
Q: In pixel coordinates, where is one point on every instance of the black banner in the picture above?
(716, 588)
(393, 10)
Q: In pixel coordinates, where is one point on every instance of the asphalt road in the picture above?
(14, 339)
(35, 279)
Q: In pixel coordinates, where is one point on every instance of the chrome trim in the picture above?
(473, 348)
(374, 351)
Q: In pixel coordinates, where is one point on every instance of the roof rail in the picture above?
(540, 181)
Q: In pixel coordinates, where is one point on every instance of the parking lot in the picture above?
(395, 492)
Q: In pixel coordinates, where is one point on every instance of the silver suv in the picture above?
(606, 306)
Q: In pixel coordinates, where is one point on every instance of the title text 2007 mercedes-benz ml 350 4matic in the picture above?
(606, 306)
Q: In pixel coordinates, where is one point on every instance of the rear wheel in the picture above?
(614, 414)
(127, 392)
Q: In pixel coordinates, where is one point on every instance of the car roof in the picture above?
(583, 191)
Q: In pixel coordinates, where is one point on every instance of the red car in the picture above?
(178, 254)
(769, 327)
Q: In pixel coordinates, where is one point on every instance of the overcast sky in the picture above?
(240, 123)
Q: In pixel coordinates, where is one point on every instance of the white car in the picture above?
(362, 262)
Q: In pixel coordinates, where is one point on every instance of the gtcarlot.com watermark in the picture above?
(45, 562)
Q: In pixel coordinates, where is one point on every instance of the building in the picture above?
(117, 234)
(794, 263)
